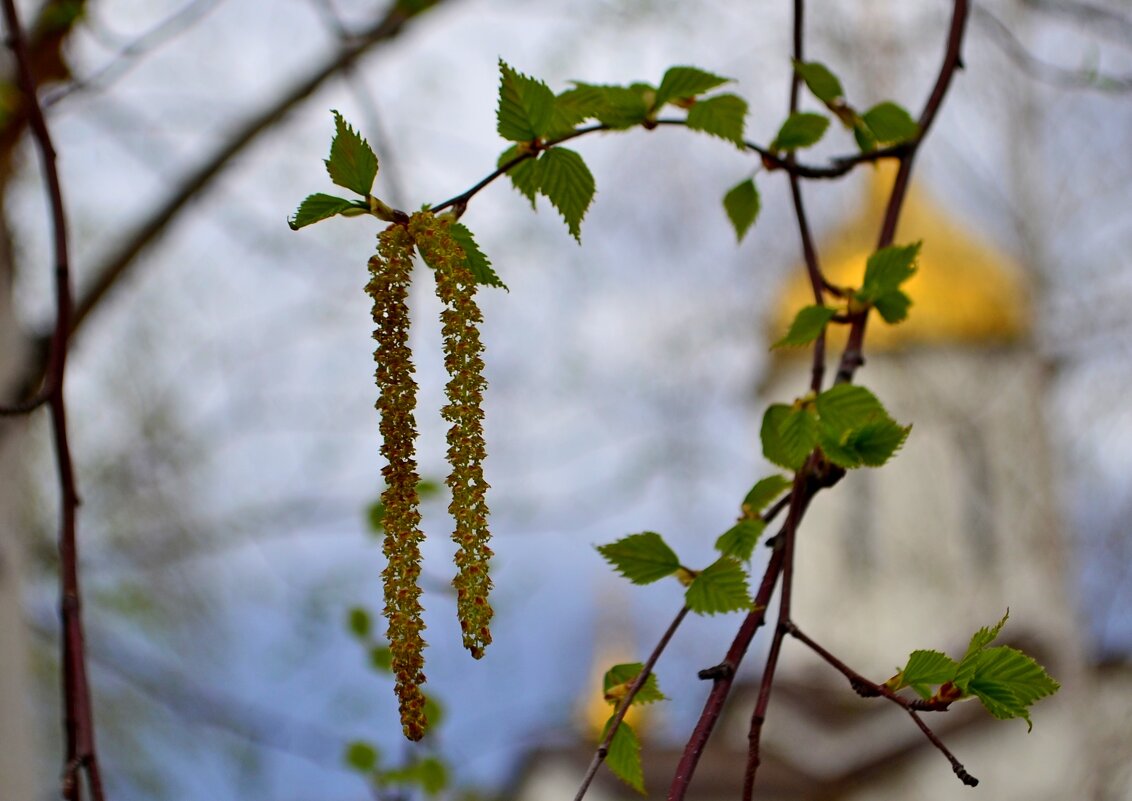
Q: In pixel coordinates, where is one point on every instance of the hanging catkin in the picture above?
(456, 287)
(390, 272)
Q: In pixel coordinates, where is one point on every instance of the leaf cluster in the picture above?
(847, 422)
(1005, 680)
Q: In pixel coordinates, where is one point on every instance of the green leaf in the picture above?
(319, 207)
(1008, 682)
(434, 712)
(478, 263)
(801, 129)
(887, 269)
(618, 679)
(568, 184)
(742, 205)
(865, 139)
(808, 325)
(788, 435)
(359, 622)
(375, 517)
(723, 116)
(979, 640)
(926, 669)
(352, 163)
(890, 123)
(526, 105)
(823, 83)
(740, 540)
(526, 176)
(893, 307)
(855, 429)
(764, 491)
(682, 83)
(624, 757)
(616, 106)
(361, 756)
(381, 659)
(873, 444)
(642, 558)
(848, 406)
(719, 587)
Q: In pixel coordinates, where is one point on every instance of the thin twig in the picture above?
(623, 707)
(862, 686)
(78, 720)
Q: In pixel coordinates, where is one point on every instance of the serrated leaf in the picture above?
(361, 756)
(801, 129)
(569, 186)
(359, 622)
(887, 269)
(642, 558)
(764, 491)
(616, 106)
(742, 205)
(855, 429)
(979, 640)
(352, 163)
(526, 105)
(848, 406)
(526, 176)
(926, 669)
(624, 756)
(681, 83)
(788, 435)
(319, 207)
(807, 326)
(723, 116)
(478, 263)
(740, 540)
(890, 123)
(876, 442)
(719, 587)
(619, 678)
(1008, 682)
(822, 83)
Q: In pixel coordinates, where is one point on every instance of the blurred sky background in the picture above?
(222, 396)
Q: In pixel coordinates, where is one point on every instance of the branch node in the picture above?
(723, 670)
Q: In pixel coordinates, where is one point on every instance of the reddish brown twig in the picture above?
(78, 720)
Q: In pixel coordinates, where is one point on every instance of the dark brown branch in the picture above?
(863, 687)
(623, 707)
(853, 356)
(78, 721)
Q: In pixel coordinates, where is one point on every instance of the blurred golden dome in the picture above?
(964, 292)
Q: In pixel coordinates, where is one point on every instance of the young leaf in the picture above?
(788, 435)
(723, 116)
(823, 83)
(719, 587)
(361, 756)
(1008, 681)
(926, 669)
(318, 207)
(740, 540)
(893, 306)
(764, 491)
(619, 678)
(979, 640)
(855, 429)
(432, 776)
(887, 269)
(865, 139)
(681, 83)
(381, 660)
(526, 176)
(873, 444)
(801, 129)
(568, 184)
(526, 105)
(616, 106)
(848, 406)
(642, 558)
(359, 622)
(890, 123)
(742, 205)
(624, 757)
(478, 263)
(352, 163)
(808, 325)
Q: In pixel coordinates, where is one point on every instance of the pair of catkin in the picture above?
(390, 273)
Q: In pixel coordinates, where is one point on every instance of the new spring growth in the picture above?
(456, 287)
(390, 271)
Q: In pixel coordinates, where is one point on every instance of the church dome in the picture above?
(965, 291)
